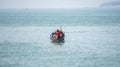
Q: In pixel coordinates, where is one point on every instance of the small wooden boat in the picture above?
(55, 38)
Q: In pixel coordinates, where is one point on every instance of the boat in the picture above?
(59, 39)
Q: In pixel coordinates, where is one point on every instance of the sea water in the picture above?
(92, 38)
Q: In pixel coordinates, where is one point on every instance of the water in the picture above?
(57, 17)
(92, 40)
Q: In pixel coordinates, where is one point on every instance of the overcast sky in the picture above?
(53, 3)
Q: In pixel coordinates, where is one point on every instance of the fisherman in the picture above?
(53, 36)
(61, 33)
(57, 33)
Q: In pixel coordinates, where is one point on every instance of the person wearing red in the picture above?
(57, 33)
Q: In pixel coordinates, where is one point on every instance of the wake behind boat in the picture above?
(57, 36)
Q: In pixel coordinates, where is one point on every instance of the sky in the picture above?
(57, 3)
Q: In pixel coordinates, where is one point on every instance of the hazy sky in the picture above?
(53, 3)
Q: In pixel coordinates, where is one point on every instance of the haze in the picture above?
(53, 3)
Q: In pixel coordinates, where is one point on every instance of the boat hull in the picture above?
(61, 39)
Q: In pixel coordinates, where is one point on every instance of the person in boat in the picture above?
(61, 33)
(53, 36)
(57, 33)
